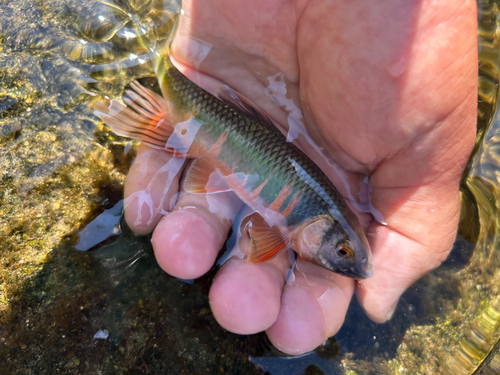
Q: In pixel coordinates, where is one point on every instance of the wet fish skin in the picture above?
(299, 204)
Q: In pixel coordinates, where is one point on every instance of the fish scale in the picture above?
(274, 154)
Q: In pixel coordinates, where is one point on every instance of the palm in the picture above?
(368, 102)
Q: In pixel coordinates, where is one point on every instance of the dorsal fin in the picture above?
(243, 105)
(266, 242)
(202, 178)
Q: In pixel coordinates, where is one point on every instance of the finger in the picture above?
(187, 240)
(245, 297)
(313, 308)
(402, 253)
(150, 188)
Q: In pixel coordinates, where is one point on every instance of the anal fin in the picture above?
(202, 178)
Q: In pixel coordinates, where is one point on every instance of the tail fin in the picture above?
(145, 116)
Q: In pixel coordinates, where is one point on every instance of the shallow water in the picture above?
(61, 179)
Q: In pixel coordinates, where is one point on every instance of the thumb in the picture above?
(398, 261)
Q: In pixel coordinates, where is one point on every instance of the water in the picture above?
(61, 169)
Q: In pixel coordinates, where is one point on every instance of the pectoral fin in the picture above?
(266, 242)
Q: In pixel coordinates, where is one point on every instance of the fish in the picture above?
(236, 147)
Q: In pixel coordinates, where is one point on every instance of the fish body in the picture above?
(237, 148)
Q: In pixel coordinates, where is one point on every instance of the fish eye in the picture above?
(343, 251)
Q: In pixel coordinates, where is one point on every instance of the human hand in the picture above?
(386, 89)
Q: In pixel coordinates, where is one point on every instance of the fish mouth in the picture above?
(365, 269)
(366, 272)
(359, 274)
(361, 271)
(354, 268)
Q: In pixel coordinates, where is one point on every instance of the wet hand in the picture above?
(245, 298)
(387, 90)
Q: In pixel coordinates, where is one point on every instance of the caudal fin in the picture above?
(145, 116)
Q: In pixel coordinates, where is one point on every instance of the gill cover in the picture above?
(325, 242)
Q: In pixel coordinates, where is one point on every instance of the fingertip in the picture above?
(141, 219)
(245, 297)
(300, 327)
(398, 261)
(150, 185)
(378, 304)
(185, 245)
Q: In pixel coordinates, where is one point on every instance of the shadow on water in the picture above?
(156, 324)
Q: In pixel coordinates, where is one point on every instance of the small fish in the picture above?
(236, 147)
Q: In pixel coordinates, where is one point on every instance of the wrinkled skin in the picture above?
(388, 89)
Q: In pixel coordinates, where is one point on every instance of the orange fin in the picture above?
(202, 178)
(178, 153)
(266, 242)
(243, 105)
(145, 116)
